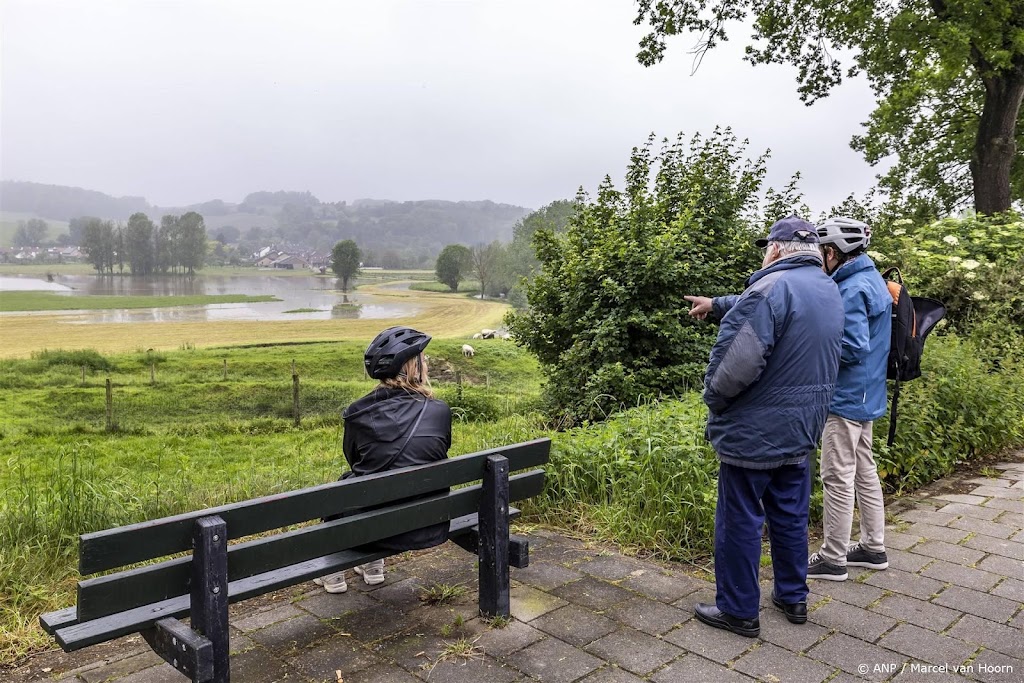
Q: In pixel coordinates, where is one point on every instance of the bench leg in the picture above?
(494, 539)
(209, 608)
(182, 648)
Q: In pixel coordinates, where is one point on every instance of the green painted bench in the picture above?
(150, 599)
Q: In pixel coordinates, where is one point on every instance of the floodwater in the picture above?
(294, 292)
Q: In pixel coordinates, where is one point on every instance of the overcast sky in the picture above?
(522, 101)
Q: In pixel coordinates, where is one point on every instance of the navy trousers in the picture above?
(745, 498)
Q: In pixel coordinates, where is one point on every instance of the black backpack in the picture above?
(913, 317)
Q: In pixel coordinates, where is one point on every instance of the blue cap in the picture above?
(789, 229)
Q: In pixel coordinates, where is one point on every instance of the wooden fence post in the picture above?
(226, 370)
(83, 375)
(295, 395)
(152, 372)
(110, 406)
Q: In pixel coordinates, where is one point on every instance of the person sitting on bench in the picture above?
(398, 424)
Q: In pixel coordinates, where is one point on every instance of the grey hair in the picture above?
(797, 247)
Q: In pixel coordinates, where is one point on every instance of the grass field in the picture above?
(48, 301)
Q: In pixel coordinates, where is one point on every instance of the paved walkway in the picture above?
(948, 609)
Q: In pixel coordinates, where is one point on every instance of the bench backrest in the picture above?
(387, 492)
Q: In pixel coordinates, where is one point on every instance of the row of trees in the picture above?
(177, 245)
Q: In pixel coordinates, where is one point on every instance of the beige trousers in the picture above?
(848, 471)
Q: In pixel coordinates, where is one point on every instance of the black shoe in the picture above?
(858, 556)
(796, 612)
(712, 616)
(818, 568)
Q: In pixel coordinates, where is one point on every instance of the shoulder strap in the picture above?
(408, 437)
(892, 414)
(893, 273)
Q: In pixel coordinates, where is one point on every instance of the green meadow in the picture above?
(49, 301)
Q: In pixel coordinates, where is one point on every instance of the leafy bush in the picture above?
(962, 407)
(606, 315)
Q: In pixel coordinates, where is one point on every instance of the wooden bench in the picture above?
(150, 599)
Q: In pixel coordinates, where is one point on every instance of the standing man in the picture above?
(847, 463)
(768, 387)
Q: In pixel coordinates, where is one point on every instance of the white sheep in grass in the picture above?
(478, 336)
(467, 351)
(488, 334)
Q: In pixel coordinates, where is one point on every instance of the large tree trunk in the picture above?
(995, 146)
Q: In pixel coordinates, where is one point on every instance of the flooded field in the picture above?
(317, 298)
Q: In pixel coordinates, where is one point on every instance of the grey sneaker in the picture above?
(372, 572)
(858, 556)
(335, 583)
(819, 568)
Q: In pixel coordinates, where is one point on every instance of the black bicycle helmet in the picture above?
(390, 349)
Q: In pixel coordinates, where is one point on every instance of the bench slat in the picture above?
(107, 595)
(112, 548)
(51, 621)
(76, 636)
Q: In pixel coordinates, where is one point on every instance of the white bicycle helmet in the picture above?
(845, 234)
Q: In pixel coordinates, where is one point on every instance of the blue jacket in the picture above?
(773, 368)
(867, 306)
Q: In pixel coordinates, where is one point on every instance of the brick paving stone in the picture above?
(259, 666)
(990, 481)
(927, 518)
(772, 663)
(924, 614)
(922, 644)
(937, 533)
(957, 554)
(1018, 621)
(387, 673)
(121, 667)
(370, 625)
(266, 618)
(285, 638)
(997, 492)
(545, 575)
(501, 642)
(993, 636)
(995, 667)
(649, 616)
(1015, 506)
(1017, 537)
(402, 595)
(712, 643)
(908, 561)
(981, 526)
(611, 674)
(660, 585)
(777, 630)
(961, 498)
(852, 655)
(239, 642)
(900, 541)
(695, 669)
(552, 661)
(634, 651)
(1004, 566)
(850, 592)
(164, 673)
(1011, 589)
(475, 669)
(948, 572)
(979, 604)
(975, 511)
(337, 654)
(853, 621)
(908, 584)
(1014, 551)
(528, 603)
(328, 606)
(575, 625)
(610, 568)
(592, 593)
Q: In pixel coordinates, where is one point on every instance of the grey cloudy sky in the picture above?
(518, 101)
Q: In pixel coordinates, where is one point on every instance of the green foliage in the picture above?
(345, 261)
(520, 260)
(607, 318)
(454, 262)
(962, 407)
(139, 244)
(948, 78)
(30, 233)
(88, 358)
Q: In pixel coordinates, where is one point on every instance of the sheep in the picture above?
(506, 336)
(478, 336)
(488, 334)
(467, 351)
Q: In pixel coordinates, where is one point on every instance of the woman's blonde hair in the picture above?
(412, 377)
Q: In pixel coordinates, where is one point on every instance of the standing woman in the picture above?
(398, 424)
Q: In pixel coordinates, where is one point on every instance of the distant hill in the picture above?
(415, 230)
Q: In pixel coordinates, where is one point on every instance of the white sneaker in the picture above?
(335, 583)
(372, 572)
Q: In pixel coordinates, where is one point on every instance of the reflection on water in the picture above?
(294, 292)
